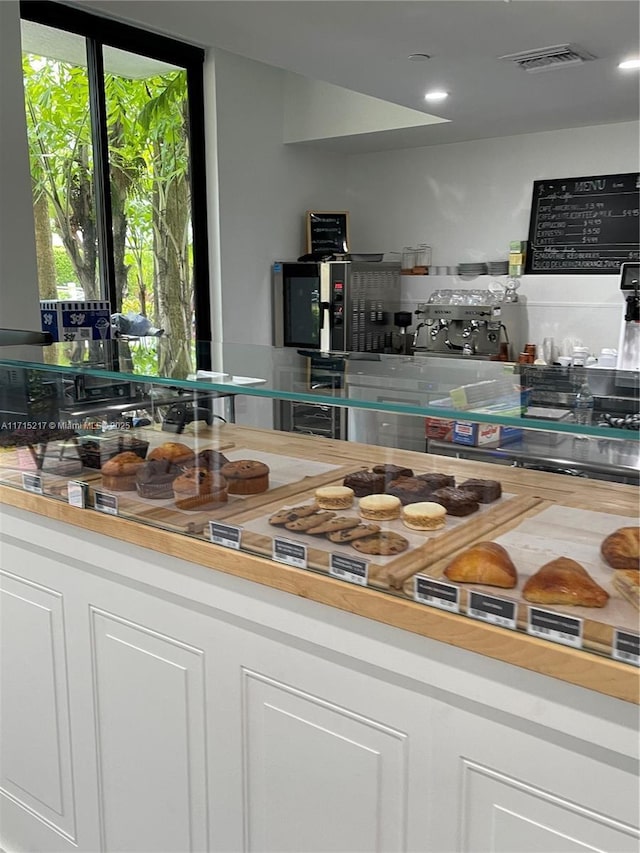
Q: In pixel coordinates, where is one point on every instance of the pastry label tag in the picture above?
(488, 608)
(349, 569)
(445, 596)
(77, 493)
(105, 503)
(32, 483)
(626, 647)
(555, 627)
(291, 553)
(227, 535)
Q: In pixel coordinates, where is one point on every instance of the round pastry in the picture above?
(425, 515)
(199, 489)
(119, 472)
(484, 491)
(213, 460)
(437, 481)
(155, 478)
(409, 490)
(455, 501)
(174, 451)
(380, 507)
(246, 476)
(621, 549)
(334, 497)
(365, 483)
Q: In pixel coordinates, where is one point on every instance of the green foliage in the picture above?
(64, 268)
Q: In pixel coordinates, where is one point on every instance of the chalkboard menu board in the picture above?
(328, 231)
(584, 225)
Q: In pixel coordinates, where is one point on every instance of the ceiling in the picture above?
(363, 45)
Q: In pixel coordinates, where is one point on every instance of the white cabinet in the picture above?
(213, 714)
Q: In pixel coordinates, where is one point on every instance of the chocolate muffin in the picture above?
(365, 483)
(392, 472)
(212, 460)
(437, 481)
(409, 489)
(456, 501)
(155, 478)
(484, 491)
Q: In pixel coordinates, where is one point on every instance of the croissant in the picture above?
(563, 581)
(621, 549)
(485, 563)
(627, 583)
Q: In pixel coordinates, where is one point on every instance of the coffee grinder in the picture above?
(402, 342)
(629, 343)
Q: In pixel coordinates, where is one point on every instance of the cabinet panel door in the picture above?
(504, 815)
(319, 777)
(35, 741)
(150, 715)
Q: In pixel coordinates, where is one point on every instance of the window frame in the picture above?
(99, 31)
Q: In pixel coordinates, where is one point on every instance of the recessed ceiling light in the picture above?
(436, 95)
(418, 57)
(629, 63)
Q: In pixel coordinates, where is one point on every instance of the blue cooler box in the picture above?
(68, 320)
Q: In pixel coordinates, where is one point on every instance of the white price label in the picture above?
(77, 493)
(291, 553)
(444, 596)
(227, 535)
(495, 611)
(32, 483)
(349, 569)
(556, 627)
(106, 503)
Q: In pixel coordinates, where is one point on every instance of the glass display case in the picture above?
(201, 456)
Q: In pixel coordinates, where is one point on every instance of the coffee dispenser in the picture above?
(629, 342)
(468, 323)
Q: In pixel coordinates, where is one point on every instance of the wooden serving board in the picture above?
(539, 536)
(384, 572)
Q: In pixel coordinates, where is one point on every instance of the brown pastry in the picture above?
(155, 478)
(437, 481)
(409, 490)
(292, 513)
(173, 451)
(392, 472)
(456, 501)
(384, 543)
(301, 525)
(353, 533)
(246, 476)
(365, 483)
(627, 583)
(340, 522)
(563, 581)
(119, 472)
(212, 460)
(485, 491)
(199, 489)
(486, 563)
(621, 549)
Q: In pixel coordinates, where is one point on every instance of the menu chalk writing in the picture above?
(328, 231)
(555, 627)
(584, 225)
(626, 647)
(445, 596)
(227, 535)
(488, 608)
(348, 569)
(291, 553)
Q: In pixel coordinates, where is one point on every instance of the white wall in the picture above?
(468, 200)
(19, 308)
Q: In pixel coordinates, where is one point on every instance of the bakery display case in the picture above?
(528, 553)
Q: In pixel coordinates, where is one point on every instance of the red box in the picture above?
(439, 428)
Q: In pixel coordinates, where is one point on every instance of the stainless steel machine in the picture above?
(629, 343)
(475, 323)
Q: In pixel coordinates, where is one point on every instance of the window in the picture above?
(116, 142)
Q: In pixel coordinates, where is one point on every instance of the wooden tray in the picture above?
(540, 535)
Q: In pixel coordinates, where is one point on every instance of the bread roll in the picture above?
(621, 549)
(485, 563)
(563, 581)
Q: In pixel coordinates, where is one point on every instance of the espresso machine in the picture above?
(629, 341)
(473, 323)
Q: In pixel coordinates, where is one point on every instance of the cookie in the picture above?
(358, 532)
(334, 497)
(292, 513)
(385, 543)
(340, 522)
(301, 525)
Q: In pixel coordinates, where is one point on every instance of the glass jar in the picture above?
(408, 258)
(423, 255)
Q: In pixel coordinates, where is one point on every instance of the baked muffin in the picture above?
(200, 489)
(484, 491)
(456, 501)
(246, 476)
(212, 460)
(119, 472)
(172, 451)
(155, 478)
(365, 483)
(409, 490)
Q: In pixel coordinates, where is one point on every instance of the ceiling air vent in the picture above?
(548, 58)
